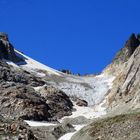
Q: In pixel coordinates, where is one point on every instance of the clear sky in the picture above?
(80, 35)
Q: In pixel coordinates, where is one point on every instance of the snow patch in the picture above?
(35, 123)
(32, 65)
(88, 112)
(11, 63)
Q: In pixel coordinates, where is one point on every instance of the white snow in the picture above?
(35, 123)
(11, 63)
(69, 135)
(92, 88)
(88, 112)
(31, 64)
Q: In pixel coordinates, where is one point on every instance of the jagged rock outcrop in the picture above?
(119, 62)
(7, 50)
(58, 101)
(80, 102)
(9, 74)
(126, 88)
(66, 71)
(125, 53)
(20, 101)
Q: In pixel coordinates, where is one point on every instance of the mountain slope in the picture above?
(123, 98)
(32, 91)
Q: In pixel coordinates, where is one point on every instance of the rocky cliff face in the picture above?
(126, 89)
(121, 58)
(7, 49)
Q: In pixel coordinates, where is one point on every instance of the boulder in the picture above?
(81, 102)
(20, 101)
(15, 130)
(58, 101)
(7, 49)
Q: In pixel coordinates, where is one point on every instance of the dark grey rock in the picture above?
(7, 50)
(15, 130)
(80, 102)
(58, 101)
(7, 73)
(21, 101)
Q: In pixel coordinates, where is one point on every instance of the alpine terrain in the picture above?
(41, 103)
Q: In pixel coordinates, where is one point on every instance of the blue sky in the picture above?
(80, 35)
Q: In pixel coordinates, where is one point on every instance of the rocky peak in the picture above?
(3, 36)
(130, 46)
(6, 49)
(119, 62)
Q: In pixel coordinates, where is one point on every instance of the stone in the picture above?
(80, 102)
(7, 50)
(21, 101)
(58, 101)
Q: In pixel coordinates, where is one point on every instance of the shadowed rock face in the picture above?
(119, 62)
(7, 73)
(59, 103)
(7, 50)
(125, 53)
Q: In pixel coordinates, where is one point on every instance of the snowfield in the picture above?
(35, 123)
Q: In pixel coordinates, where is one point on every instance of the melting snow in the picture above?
(92, 89)
(35, 123)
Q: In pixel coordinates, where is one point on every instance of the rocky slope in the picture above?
(32, 91)
(122, 98)
(126, 88)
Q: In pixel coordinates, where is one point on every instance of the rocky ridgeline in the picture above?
(130, 46)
